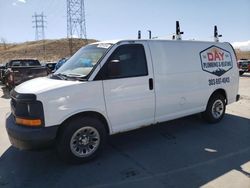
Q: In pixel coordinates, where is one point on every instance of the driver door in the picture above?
(128, 87)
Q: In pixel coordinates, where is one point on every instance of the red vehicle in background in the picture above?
(20, 70)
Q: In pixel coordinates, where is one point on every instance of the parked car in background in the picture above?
(3, 73)
(50, 66)
(244, 66)
(60, 63)
(21, 70)
(2, 70)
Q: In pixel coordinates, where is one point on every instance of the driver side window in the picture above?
(126, 61)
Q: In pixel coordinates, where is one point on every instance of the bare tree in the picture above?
(3, 41)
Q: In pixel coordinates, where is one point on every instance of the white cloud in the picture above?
(16, 2)
(244, 46)
(75, 36)
(22, 1)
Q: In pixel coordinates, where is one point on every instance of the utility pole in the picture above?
(76, 22)
(39, 25)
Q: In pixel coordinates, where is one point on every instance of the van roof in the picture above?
(133, 40)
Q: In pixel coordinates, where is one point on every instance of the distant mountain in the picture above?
(243, 54)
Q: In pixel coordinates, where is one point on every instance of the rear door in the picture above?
(128, 87)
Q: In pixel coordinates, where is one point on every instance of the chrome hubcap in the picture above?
(85, 141)
(217, 109)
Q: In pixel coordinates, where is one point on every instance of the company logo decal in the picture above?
(216, 60)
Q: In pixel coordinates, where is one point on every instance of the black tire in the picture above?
(76, 129)
(216, 105)
(241, 73)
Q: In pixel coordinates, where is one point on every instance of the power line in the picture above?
(39, 21)
(76, 22)
(39, 25)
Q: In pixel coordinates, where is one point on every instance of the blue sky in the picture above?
(114, 19)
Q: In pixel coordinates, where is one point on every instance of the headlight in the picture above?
(27, 110)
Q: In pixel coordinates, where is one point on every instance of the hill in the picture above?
(54, 49)
(243, 54)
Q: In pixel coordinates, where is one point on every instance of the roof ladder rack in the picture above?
(216, 35)
(139, 34)
(149, 34)
(178, 33)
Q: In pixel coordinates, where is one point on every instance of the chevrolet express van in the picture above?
(116, 86)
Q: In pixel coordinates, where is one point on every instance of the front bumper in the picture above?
(30, 138)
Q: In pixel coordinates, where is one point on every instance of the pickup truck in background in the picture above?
(21, 70)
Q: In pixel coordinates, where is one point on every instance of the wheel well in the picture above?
(221, 92)
(89, 114)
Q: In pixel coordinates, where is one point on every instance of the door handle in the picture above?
(151, 84)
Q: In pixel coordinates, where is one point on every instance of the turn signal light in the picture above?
(29, 122)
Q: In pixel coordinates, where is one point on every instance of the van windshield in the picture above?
(83, 61)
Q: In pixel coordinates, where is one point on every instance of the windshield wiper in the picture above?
(74, 75)
(60, 76)
(79, 77)
(71, 76)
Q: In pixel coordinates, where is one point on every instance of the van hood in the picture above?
(40, 85)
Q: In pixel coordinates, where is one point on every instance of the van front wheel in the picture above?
(81, 140)
(215, 110)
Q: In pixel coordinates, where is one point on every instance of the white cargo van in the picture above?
(117, 86)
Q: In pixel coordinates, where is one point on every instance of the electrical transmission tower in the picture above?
(76, 23)
(39, 25)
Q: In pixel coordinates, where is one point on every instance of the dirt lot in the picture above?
(182, 153)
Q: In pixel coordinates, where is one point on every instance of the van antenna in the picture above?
(139, 34)
(216, 35)
(178, 31)
(150, 34)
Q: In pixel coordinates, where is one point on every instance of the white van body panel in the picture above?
(181, 88)
(181, 85)
(43, 84)
(63, 99)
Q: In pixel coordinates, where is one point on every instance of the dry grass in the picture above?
(243, 54)
(54, 49)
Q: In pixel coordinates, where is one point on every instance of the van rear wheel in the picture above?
(81, 140)
(216, 108)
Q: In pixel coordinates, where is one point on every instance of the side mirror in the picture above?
(114, 68)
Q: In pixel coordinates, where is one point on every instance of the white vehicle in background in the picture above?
(116, 86)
